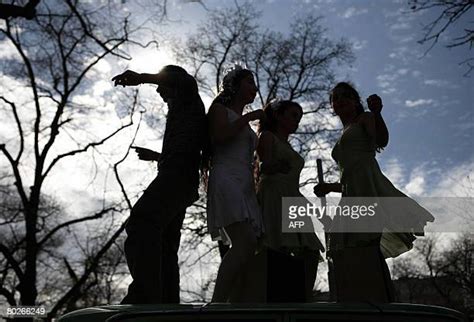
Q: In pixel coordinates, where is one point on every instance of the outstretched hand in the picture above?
(146, 154)
(374, 102)
(127, 78)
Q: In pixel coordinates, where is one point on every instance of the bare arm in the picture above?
(381, 131)
(374, 102)
(221, 130)
(367, 120)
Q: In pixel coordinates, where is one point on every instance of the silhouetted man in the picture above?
(154, 226)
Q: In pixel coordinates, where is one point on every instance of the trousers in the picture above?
(153, 236)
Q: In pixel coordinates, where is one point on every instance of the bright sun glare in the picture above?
(150, 60)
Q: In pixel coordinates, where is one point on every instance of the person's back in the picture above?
(238, 152)
(184, 138)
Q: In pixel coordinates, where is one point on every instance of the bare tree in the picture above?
(438, 274)
(298, 65)
(52, 60)
(449, 13)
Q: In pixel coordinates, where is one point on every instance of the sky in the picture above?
(428, 102)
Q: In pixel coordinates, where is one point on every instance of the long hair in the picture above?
(228, 89)
(350, 91)
(271, 111)
(230, 85)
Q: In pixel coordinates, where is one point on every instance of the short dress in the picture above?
(231, 195)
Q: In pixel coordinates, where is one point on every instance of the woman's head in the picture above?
(285, 115)
(237, 83)
(345, 100)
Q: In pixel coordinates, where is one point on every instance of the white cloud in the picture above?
(394, 171)
(402, 71)
(434, 187)
(100, 87)
(458, 182)
(389, 90)
(103, 66)
(400, 26)
(405, 39)
(418, 102)
(359, 44)
(352, 11)
(386, 82)
(440, 83)
(416, 186)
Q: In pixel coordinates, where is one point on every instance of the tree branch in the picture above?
(17, 175)
(84, 149)
(18, 124)
(12, 261)
(8, 295)
(87, 272)
(72, 222)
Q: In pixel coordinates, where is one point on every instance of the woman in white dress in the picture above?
(233, 214)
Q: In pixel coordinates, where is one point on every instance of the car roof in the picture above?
(121, 312)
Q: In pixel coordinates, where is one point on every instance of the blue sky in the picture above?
(428, 103)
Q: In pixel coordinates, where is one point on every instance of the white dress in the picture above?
(231, 195)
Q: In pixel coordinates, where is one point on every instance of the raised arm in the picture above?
(221, 129)
(131, 78)
(374, 102)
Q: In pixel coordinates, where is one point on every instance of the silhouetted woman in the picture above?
(233, 214)
(358, 249)
(292, 258)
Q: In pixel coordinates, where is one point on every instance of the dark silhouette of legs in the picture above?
(154, 232)
(170, 267)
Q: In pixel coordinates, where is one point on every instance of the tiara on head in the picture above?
(234, 67)
(230, 72)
